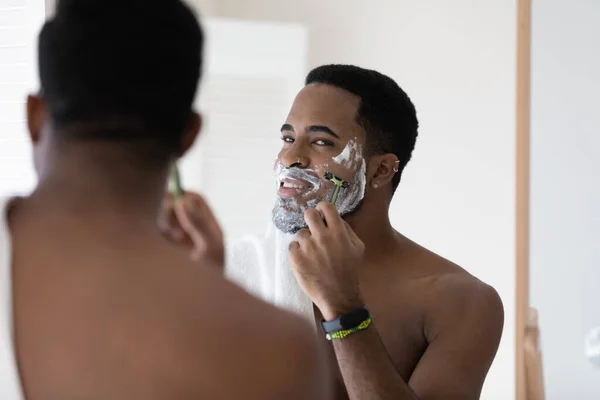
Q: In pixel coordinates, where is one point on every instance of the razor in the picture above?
(175, 181)
(338, 183)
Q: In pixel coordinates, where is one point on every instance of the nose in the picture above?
(293, 157)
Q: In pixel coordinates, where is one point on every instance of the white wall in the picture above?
(20, 22)
(565, 191)
(244, 95)
(50, 6)
(206, 8)
(457, 61)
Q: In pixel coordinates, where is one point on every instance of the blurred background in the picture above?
(457, 60)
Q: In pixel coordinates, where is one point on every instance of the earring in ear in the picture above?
(376, 186)
(397, 167)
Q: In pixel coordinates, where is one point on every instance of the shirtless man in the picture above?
(435, 328)
(104, 307)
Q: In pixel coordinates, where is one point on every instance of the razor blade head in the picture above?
(336, 180)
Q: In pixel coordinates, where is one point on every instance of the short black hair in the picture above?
(121, 69)
(385, 111)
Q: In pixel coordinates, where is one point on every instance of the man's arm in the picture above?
(367, 369)
(463, 332)
(463, 345)
(454, 365)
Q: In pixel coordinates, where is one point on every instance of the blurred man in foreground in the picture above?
(103, 306)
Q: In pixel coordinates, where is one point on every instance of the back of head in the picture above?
(121, 69)
(386, 112)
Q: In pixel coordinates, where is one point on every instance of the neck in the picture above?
(372, 226)
(100, 179)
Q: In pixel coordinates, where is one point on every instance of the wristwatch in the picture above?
(349, 320)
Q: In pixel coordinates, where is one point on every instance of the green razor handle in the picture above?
(175, 181)
(338, 183)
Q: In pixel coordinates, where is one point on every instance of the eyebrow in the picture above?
(311, 129)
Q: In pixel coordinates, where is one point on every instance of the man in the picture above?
(104, 306)
(429, 329)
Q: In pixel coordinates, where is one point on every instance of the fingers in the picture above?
(294, 247)
(303, 236)
(302, 242)
(331, 216)
(196, 218)
(167, 220)
(188, 221)
(295, 255)
(314, 221)
(299, 248)
(199, 223)
(184, 218)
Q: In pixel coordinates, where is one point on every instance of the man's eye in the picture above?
(287, 139)
(323, 142)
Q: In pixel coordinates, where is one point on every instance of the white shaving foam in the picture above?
(351, 157)
(349, 200)
(288, 215)
(344, 157)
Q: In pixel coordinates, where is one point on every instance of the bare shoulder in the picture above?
(470, 298)
(294, 364)
(460, 321)
(247, 348)
(454, 294)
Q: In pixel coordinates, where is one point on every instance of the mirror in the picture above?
(565, 193)
(456, 62)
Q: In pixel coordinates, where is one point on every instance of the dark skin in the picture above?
(436, 328)
(106, 308)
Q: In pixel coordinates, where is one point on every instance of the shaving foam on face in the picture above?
(349, 199)
(306, 175)
(351, 157)
(344, 157)
(288, 215)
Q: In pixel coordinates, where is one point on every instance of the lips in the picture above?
(296, 183)
(289, 188)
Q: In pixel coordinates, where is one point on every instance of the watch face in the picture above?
(346, 321)
(353, 319)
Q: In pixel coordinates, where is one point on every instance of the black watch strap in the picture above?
(347, 321)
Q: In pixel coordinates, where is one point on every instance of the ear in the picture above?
(191, 133)
(383, 168)
(36, 115)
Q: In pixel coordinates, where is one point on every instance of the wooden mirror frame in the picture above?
(523, 126)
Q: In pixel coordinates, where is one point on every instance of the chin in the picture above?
(287, 216)
(291, 230)
(292, 224)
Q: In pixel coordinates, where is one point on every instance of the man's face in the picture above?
(320, 136)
